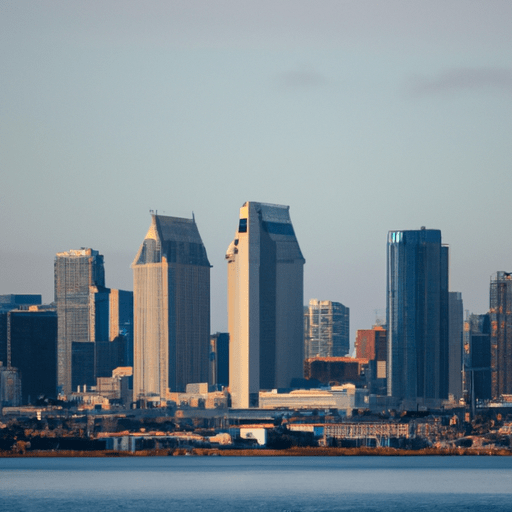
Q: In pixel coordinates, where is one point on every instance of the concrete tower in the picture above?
(171, 286)
(265, 308)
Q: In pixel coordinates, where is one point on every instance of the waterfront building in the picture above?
(171, 279)
(417, 315)
(326, 329)
(265, 303)
(501, 333)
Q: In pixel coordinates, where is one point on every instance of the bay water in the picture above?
(283, 484)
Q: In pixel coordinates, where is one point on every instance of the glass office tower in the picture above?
(417, 314)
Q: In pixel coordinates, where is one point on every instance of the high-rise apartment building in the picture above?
(76, 273)
(501, 333)
(326, 329)
(265, 309)
(171, 279)
(417, 315)
(455, 342)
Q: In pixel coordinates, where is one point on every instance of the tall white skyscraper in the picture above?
(265, 311)
(171, 283)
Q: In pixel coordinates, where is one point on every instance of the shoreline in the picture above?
(264, 452)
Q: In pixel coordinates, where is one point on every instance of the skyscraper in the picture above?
(265, 309)
(326, 329)
(501, 333)
(76, 272)
(171, 279)
(455, 342)
(417, 314)
(30, 337)
(477, 358)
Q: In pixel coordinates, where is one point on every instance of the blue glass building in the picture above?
(417, 315)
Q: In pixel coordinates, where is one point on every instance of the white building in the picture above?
(265, 295)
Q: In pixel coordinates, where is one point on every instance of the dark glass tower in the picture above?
(417, 314)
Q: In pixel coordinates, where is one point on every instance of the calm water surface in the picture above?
(215, 484)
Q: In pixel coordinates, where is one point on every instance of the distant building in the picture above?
(219, 359)
(477, 357)
(455, 342)
(171, 276)
(76, 272)
(10, 386)
(501, 333)
(417, 315)
(265, 308)
(371, 343)
(89, 313)
(82, 364)
(326, 329)
(344, 398)
(14, 301)
(31, 337)
(334, 370)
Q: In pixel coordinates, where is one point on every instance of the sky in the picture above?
(362, 116)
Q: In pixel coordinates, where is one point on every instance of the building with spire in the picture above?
(265, 303)
(171, 280)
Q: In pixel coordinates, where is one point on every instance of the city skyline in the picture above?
(363, 118)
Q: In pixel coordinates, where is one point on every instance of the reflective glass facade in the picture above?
(417, 314)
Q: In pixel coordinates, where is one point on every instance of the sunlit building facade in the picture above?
(501, 333)
(77, 273)
(171, 280)
(326, 329)
(265, 308)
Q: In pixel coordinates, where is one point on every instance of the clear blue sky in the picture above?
(363, 116)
